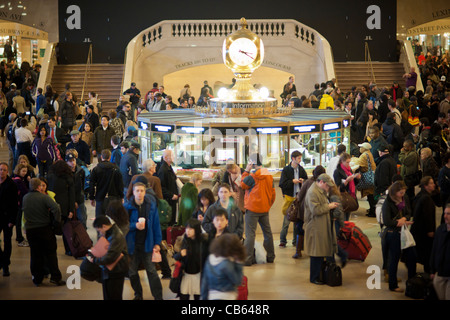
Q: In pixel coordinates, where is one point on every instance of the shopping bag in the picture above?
(406, 237)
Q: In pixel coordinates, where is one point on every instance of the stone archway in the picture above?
(172, 46)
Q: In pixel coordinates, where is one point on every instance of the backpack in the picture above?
(10, 135)
(164, 212)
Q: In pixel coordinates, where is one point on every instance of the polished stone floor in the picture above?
(286, 279)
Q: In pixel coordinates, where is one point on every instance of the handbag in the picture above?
(367, 180)
(414, 121)
(177, 276)
(349, 203)
(406, 238)
(288, 200)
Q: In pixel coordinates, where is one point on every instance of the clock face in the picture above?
(243, 51)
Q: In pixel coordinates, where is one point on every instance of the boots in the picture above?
(299, 247)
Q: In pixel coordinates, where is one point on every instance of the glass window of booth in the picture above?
(271, 143)
(306, 139)
(161, 138)
(191, 150)
(331, 137)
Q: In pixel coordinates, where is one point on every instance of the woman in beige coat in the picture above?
(364, 160)
(320, 235)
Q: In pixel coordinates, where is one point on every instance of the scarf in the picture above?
(351, 184)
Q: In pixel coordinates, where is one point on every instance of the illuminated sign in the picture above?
(192, 129)
(303, 129)
(345, 123)
(143, 125)
(162, 128)
(331, 126)
(269, 130)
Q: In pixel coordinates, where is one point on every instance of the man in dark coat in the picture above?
(385, 171)
(169, 182)
(393, 133)
(84, 153)
(129, 165)
(291, 181)
(102, 137)
(8, 214)
(106, 181)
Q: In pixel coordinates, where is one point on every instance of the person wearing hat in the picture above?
(259, 198)
(135, 95)
(129, 164)
(385, 171)
(159, 104)
(320, 236)
(79, 178)
(84, 153)
(367, 162)
(327, 102)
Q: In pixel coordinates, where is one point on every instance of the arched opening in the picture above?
(219, 76)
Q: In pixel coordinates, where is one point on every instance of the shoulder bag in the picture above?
(367, 180)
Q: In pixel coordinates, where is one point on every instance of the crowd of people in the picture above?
(64, 152)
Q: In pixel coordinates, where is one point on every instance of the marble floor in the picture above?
(286, 279)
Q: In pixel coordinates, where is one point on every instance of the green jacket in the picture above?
(409, 161)
(188, 202)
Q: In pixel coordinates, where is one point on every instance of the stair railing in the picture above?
(87, 71)
(368, 60)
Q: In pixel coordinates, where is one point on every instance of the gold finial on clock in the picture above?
(243, 23)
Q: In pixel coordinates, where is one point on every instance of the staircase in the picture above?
(103, 79)
(349, 74)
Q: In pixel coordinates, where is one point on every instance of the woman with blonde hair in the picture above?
(367, 163)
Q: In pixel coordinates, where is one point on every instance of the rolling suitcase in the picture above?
(174, 232)
(77, 238)
(354, 242)
(243, 289)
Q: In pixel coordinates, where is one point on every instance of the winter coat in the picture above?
(153, 234)
(409, 161)
(385, 171)
(220, 275)
(188, 201)
(67, 114)
(102, 139)
(129, 167)
(64, 189)
(394, 134)
(43, 150)
(320, 235)
(117, 246)
(259, 191)
(287, 175)
(235, 218)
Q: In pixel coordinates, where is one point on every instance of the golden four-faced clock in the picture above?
(243, 51)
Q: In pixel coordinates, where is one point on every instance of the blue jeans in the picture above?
(285, 229)
(394, 252)
(140, 256)
(251, 221)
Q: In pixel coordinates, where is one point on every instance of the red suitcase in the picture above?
(243, 289)
(354, 242)
(173, 233)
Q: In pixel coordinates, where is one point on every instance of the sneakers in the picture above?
(24, 243)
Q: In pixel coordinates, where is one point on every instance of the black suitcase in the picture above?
(331, 274)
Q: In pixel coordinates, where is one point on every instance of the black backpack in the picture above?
(10, 135)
